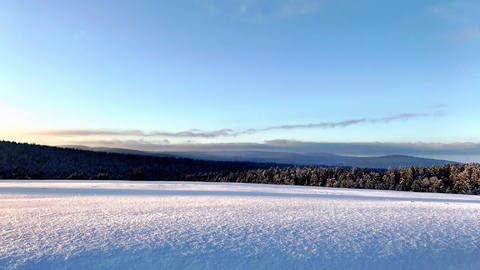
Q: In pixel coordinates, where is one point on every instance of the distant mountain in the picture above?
(318, 159)
(324, 159)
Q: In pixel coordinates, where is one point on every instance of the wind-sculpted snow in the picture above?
(179, 225)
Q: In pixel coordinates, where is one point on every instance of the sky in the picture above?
(155, 74)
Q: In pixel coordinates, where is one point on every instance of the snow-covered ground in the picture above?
(181, 225)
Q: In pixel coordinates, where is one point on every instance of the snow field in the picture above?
(125, 225)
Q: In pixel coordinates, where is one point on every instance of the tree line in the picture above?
(446, 178)
(29, 161)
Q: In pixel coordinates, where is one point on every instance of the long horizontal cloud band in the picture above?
(196, 133)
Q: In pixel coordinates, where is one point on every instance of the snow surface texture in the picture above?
(180, 225)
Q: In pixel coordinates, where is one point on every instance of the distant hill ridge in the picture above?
(301, 159)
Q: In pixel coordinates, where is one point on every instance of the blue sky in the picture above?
(156, 73)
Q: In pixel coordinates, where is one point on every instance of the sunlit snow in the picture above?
(181, 225)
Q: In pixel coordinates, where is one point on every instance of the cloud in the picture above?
(456, 11)
(461, 17)
(196, 133)
(341, 124)
(254, 10)
(283, 142)
(88, 132)
(469, 33)
(320, 125)
(298, 7)
(403, 116)
(193, 133)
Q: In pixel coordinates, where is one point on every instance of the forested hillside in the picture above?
(27, 161)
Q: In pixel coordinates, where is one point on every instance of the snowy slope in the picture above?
(180, 225)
